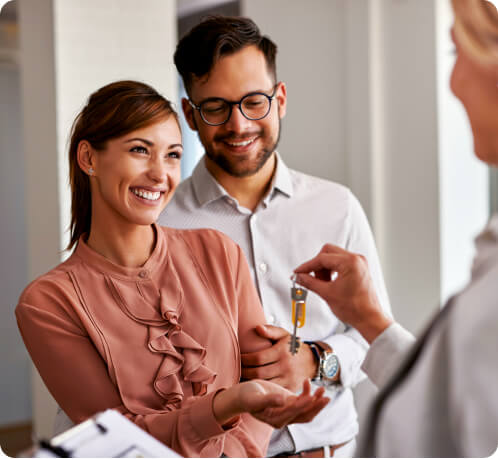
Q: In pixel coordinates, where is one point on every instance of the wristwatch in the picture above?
(328, 364)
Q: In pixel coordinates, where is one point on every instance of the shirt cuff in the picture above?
(385, 353)
(203, 421)
(350, 359)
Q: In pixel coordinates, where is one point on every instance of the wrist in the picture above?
(315, 360)
(373, 326)
(325, 358)
(226, 405)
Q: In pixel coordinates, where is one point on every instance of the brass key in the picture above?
(298, 296)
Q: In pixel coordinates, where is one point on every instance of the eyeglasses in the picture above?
(216, 111)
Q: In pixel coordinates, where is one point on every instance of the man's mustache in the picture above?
(230, 137)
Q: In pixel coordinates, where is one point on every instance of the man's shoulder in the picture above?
(310, 186)
(302, 179)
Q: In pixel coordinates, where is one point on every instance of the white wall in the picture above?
(406, 149)
(69, 49)
(311, 56)
(14, 362)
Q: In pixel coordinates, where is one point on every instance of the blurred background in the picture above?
(369, 106)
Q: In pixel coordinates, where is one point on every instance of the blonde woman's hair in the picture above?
(476, 29)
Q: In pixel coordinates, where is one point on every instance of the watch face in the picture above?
(330, 366)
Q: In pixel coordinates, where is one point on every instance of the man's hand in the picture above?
(342, 279)
(276, 363)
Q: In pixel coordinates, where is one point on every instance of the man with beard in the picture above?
(278, 216)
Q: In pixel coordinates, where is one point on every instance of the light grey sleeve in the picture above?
(386, 352)
(350, 345)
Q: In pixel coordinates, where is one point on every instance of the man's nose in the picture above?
(237, 121)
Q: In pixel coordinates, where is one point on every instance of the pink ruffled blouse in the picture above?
(155, 342)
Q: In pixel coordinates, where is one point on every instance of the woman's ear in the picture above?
(86, 157)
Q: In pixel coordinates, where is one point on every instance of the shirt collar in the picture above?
(281, 179)
(207, 189)
(156, 260)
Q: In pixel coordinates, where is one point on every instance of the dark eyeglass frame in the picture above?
(232, 103)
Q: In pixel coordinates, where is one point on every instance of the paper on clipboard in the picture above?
(107, 434)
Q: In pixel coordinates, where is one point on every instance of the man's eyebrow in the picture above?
(147, 142)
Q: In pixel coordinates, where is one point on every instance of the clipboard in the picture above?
(107, 434)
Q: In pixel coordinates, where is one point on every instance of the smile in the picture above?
(243, 143)
(149, 195)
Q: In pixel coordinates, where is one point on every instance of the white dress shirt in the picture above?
(445, 403)
(293, 221)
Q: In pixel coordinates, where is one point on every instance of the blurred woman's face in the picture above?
(476, 87)
(137, 174)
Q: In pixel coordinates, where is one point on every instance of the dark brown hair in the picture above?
(215, 37)
(112, 111)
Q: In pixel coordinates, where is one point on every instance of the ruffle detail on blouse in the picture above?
(182, 354)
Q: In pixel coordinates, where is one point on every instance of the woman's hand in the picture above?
(342, 279)
(269, 403)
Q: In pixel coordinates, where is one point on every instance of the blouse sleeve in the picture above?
(77, 378)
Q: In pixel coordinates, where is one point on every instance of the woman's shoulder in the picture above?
(217, 256)
(49, 289)
(201, 237)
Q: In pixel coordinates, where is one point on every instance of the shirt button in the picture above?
(271, 319)
(143, 274)
(263, 267)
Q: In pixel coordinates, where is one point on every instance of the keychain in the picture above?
(298, 296)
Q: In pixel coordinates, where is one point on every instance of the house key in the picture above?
(298, 296)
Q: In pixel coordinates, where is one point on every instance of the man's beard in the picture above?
(238, 166)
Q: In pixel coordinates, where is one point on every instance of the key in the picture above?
(298, 296)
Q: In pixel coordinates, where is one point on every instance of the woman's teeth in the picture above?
(241, 144)
(150, 195)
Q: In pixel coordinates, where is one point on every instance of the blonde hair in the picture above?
(476, 30)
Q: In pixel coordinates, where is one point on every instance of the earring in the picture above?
(90, 171)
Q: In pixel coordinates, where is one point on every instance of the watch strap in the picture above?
(317, 354)
(323, 346)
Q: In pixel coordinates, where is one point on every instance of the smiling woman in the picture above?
(147, 320)
(112, 122)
